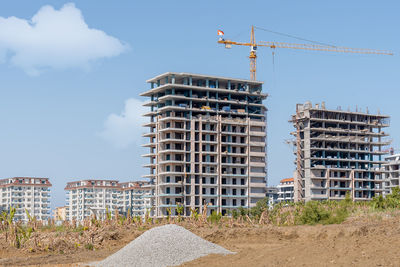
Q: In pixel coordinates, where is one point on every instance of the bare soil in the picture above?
(372, 240)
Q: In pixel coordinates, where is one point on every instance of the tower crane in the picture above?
(317, 47)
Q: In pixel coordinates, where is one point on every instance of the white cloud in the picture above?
(126, 129)
(56, 39)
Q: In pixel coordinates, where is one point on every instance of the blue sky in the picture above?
(67, 115)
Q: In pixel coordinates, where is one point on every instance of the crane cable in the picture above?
(273, 70)
(292, 36)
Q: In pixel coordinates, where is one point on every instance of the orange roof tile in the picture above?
(287, 180)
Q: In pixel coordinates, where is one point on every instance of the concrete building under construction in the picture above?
(338, 152)
(391, 172)
(207, 142)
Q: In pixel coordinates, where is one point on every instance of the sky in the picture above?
(71, 74)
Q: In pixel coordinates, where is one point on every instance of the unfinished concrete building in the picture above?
(207, 142)
(391, 170)
(338, 152)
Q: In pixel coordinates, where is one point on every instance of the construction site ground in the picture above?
(370, 240)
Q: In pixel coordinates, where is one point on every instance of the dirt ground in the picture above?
(369, 241)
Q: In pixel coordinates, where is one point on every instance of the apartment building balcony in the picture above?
(351, 140)
(150, 114)
(149, 145)
(234, 196)
(371, 124)
(171, 183)
(208, 142)
(349, 131)
(235, 154)
(202, 88)
(173, 118)
(236, 164)
(173, 173)
(283, 199)
(366, 188)
(252, 143)
(150, 165)
(339, 188)
(226, 174)
(319, 196)
(230, 206)
(169, 205)
(172, 108)
(172, 162)
(256, 154)
(151, 175)
(151, 134)
(256, 133)
(257, 164)
(174, 130)
(337, 197)
(366, 179)
(149, 124)
(205, 99)
(209, 185)
(149, 155)
(229, 133)
(346, 159)
(349, 150)
(319, 177)
(257, 174)
(207, 131)
(235, 144)
(171, 195)
(257, 195)
(179, 151)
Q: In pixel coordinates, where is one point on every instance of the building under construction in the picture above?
(391, 172)
(338, 152)
(207, 143)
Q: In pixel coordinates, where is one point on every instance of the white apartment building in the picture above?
(391, 173)
(26, 194)
(286, 190)
(136, 198)
(88, 197)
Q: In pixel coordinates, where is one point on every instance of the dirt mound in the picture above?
(168, 245)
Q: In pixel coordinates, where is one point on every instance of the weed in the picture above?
(89, 246)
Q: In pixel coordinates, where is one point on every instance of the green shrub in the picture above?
(89, 246)
(261, 206)
(215, 217)
(314, 213)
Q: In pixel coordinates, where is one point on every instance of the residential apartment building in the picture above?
(272, 195)
(391, 170)
(136, 198)
(207, 142)
(26, 194)
(60, 213)
(338, 152)
(88, 197)
(286, 190)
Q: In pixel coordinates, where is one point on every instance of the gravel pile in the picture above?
(167, 245)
